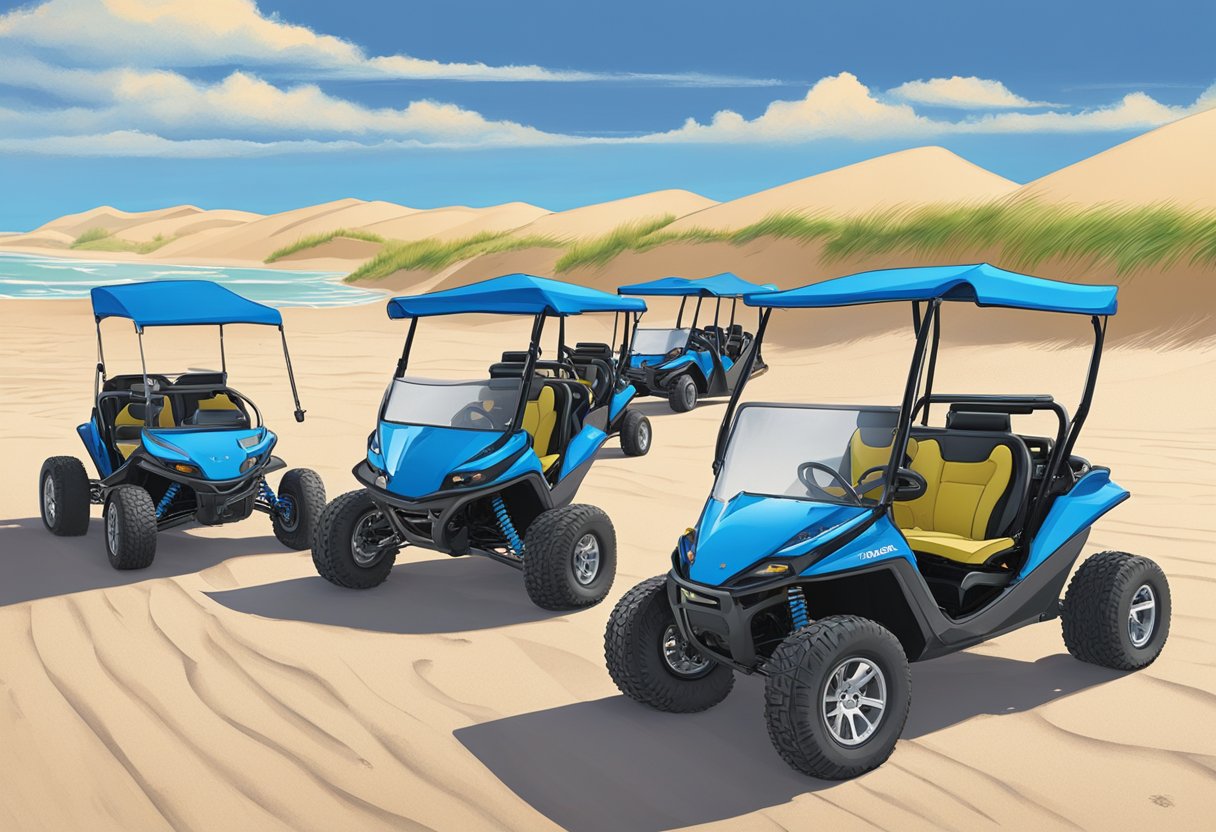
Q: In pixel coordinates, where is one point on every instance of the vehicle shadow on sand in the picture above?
(420, 597)
(36, 564)
(660, 407)
(643, 770)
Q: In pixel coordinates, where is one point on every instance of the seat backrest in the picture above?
(977, 480)
(540, 419)
(867, 450)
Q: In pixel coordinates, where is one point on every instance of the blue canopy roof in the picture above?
(513, 294)
(982, 284)
(179, 303)
(725, 285)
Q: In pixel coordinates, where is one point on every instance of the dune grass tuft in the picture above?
(1025, 233)
(99, 239)
(314, 240)
(434, 255)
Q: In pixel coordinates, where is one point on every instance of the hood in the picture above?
(218, 454)
(416, 458)
(748, 528)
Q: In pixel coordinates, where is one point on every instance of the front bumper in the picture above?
(701, 610)
(649, 378)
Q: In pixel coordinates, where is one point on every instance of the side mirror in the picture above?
(299, 415)
(909, 484)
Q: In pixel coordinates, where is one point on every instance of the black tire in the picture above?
(333, 550)
(551, 549)
(800, 671)
(306, 491)
(635, 434)
(634, 650)
(129, 518)
(683, 394)
(63, 496)
(1097, 620)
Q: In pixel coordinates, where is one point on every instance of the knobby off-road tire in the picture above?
(803, 670)
(307, 494)
(334, 545)
(63, 496)
(569, 557)
(635, 434)
(1097, 616)
(683, 395)
(634, 650)
(130, 527)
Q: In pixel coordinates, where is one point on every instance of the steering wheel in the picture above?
(903, 475)
(815, 488)
(470, 413)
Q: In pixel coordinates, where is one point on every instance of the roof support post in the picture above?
(223, 356)
(291, 376)
(904, 426)
(1087, 395)
(143, 367)
(749, 362)
(937, 337)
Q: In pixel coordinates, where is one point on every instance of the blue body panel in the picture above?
(581, 448)
(217, 453)
(1092, 496)
(748, 528)
(880, 542)
(416, 458)
(620, 400)
(980, 283)
(96, 448)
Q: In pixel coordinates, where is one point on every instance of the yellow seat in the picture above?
(127, 447)
(951, 519)
(540, 422)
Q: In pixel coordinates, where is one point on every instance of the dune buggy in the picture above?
(171, 448)
(839, 542)
(490, 466)
(683, 363)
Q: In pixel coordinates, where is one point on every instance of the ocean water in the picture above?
(33, 276)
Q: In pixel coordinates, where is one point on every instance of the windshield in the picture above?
(659, 341)
(483, 404)
(808, 453)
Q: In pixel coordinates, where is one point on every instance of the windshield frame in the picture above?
(688, 331)
(867, 503)
(422, 381)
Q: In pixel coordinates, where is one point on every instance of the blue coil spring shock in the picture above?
(165, 501)
(267, 493)
(514, 541)
(798, 611)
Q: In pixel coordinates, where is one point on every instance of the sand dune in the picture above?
(602, 217)
(114, 220)
(921, 176)
(1172, 164)
(457, 221)
(228, 687)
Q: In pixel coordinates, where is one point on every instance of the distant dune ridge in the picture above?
(1145, 208)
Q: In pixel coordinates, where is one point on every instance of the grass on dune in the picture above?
(434, 255)
(99, 239)
(1026, 233)
(314, 240)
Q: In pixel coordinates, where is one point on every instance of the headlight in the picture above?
(465, 478)
(769, 570)
(687, 545)
(249, 464)
(250, 441)
(673, 354)
(373, 442)
(184, 469)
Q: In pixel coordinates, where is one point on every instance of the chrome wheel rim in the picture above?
(681, 659)
(586, 559)
(371, 538)
(112, 527)
(690, 395)
(1142, 616)
(644, 435)
(854, 701)
(48, 499)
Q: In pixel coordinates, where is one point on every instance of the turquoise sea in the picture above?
(35, 276)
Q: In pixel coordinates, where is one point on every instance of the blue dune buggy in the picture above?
(490, 466)
(174, 448)
(685, 362)
(840, 543)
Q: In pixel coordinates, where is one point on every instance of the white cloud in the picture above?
(836, 106)
(202, 33)
(966, 93)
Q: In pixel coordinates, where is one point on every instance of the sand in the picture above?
(228, 687)
(920, 176)
(592, 220)
(1173, 164)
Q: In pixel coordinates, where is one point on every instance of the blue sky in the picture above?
(272, 105)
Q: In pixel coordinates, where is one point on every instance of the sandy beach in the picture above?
(229, 687)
